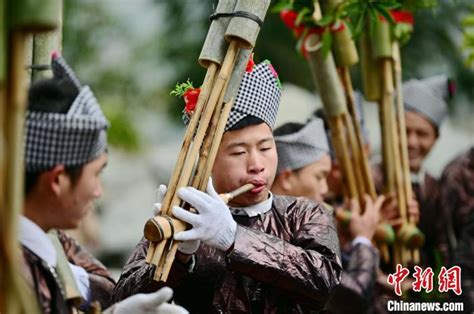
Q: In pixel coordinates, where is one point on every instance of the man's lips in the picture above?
(259, 186)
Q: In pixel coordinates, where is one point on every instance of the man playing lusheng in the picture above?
(264, 253)
(66, 150)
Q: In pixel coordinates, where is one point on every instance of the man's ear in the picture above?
(57, 180)
(285, 178)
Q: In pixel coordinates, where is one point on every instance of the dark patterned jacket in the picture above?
(283, 261)
(457, 198)
(48, 288)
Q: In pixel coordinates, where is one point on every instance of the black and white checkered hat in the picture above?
(258, 95)
(428, 97)
(71, 139)
(302, 148)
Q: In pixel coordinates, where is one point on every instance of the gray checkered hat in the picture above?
(71, 139)
(427, 97)
(258, 95)
(302, 148)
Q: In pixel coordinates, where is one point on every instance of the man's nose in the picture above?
(99, 190)
(412, 139)
(255, 163)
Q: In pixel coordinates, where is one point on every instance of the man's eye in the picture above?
(237, 153)
(264, 149)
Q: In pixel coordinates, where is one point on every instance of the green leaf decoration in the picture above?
(181, 88)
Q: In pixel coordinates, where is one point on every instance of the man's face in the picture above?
(246, 156)
(310, 181)
(421, 137)
(79, 197)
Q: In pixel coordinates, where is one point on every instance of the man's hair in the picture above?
(245, 122)
(288, 128)
(54, 96)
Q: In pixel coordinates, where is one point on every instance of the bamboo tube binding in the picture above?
(243, 29)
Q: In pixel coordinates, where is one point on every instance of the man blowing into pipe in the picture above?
(263, 253)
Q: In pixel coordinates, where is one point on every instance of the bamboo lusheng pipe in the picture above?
(329, 87)
(355, 155)
(215, 146)
(19, 297)
(164, 265)
(188, 138)
(411, 236)
(164, 252)
(364, 158)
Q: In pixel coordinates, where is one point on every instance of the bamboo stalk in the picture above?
(364, 158)
(215, 145)
(200, 173)
(19, 298)
(341, 147)
(356, 161)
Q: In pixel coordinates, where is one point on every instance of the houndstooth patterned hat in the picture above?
(258, 95)
(428, 97)
(70, 139)
(302, 148)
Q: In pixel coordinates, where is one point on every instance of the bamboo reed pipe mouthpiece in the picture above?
(411, 236)
(326, 78)
(34, 16)
(215, 46)
(244, 29)
(227, 197)
(384, 233)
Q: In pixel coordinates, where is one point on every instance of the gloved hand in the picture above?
(149, 303)
(213, 225)
(186, 247)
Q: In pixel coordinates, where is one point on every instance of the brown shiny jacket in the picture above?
(284, 261)
(356, 291)
(47, 287)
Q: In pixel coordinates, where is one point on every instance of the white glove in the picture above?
(149, 303)
(213, 225)
(187, 247)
